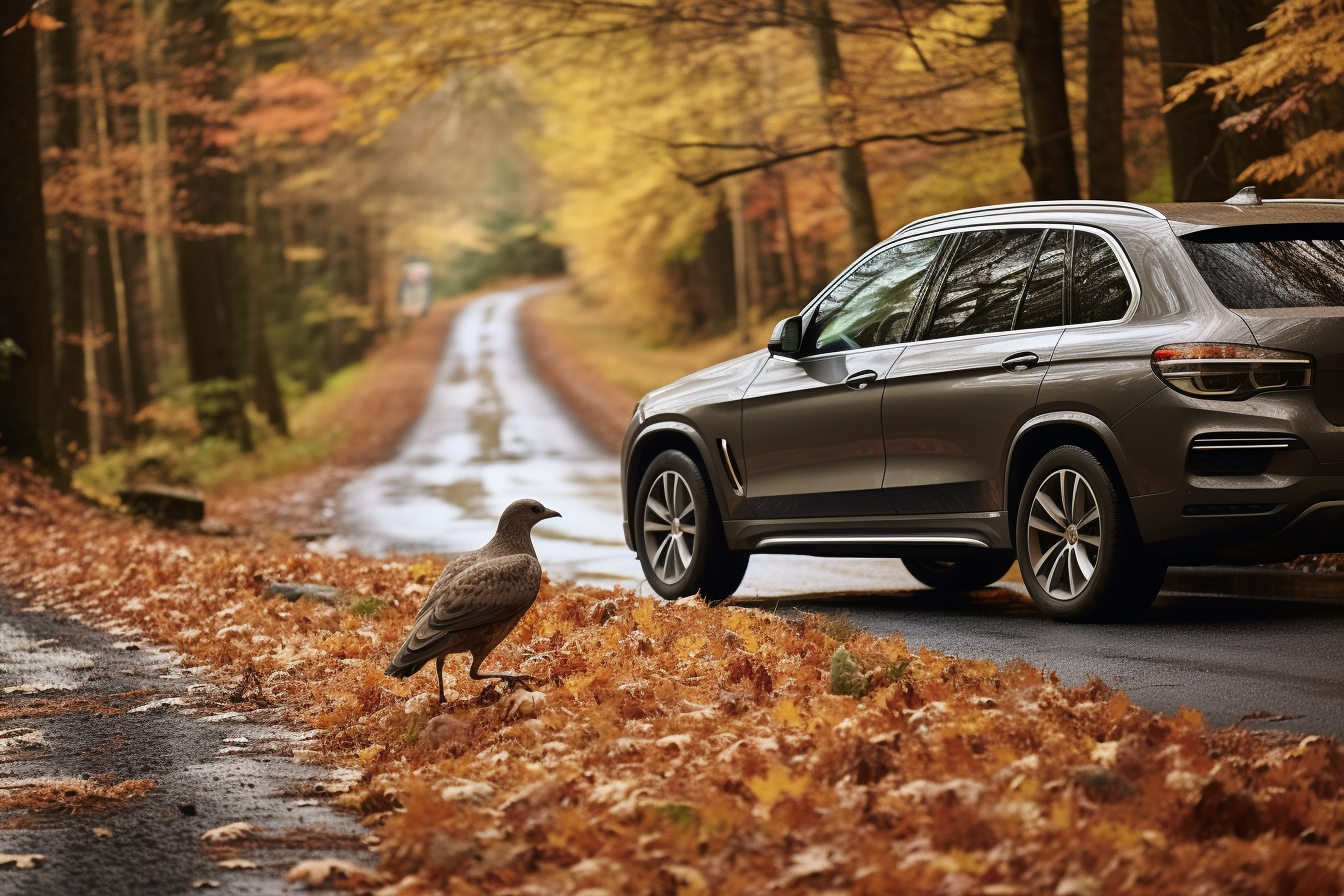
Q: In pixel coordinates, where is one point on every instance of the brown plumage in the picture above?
(478, 599)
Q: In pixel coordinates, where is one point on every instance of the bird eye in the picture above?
(536, 508)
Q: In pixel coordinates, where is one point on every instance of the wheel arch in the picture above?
(1042, 434)
(652, 441)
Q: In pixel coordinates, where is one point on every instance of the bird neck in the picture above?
(509, 541)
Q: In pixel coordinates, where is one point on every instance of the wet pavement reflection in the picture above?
(492, 433)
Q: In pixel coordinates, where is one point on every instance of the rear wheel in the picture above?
(963, 574)
(680, 536)
(1079, 549)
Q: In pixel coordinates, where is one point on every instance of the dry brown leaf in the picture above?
(101, 833)
(21, 860)
(337, 873)
(230, 832)
(237, 864)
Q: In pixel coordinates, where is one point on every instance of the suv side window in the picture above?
(1100, 289)
(981, 289)
(1043, 302)
(873, 304)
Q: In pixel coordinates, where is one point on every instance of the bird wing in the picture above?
(451, 571)
(487, 592)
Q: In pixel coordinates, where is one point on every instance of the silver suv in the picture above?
(1093, 389)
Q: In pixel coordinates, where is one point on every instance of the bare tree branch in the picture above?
(947, 137)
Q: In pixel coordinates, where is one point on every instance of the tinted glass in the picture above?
(1100, 290)
(872, 305)
(983, 284)
(1294, 266)
(1043, 303)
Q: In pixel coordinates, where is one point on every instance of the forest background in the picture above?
(208, 204)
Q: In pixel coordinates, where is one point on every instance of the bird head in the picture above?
(524, 514)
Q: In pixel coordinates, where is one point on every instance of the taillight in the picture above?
(1214, 370)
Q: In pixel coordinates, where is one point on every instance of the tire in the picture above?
(1074, 517)
(963, 574)
(679, 557)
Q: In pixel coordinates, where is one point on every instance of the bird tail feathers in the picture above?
(399, 670)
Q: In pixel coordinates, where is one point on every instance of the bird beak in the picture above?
(550, 513)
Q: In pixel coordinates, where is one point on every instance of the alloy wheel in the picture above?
(1064, 534)
(669, 526)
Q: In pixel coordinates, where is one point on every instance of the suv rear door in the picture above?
(811, 425)
(957, 394)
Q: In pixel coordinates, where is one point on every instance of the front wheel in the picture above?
(680, 536)
(1077, 544)
(965, 574)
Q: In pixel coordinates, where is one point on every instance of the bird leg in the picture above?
(511, 677)
(438, 669)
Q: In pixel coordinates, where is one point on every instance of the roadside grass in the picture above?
(354, 419)
(622, 355)
(682, 748)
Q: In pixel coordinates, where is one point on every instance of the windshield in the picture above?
(1272, 266)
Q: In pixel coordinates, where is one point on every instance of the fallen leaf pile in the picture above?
(679, 749)
(69, 796)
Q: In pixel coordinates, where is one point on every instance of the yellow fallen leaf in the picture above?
(786, 712)
(368, 754)
(777, 784)
(102, 832)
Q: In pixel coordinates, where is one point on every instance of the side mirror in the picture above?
(787, 337)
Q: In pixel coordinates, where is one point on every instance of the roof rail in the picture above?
(1039, 205)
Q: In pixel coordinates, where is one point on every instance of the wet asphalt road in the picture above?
(141, 715)
(493, 432)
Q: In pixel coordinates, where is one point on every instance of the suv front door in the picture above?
(955, 395)
(812, 425)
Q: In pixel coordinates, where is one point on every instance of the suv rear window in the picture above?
(1271, 266)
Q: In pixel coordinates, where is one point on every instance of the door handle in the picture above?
(861, 380)
(1021, 361)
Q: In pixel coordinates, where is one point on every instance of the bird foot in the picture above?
(514, 680)
(510, 678)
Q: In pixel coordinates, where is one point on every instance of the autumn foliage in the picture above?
(680, 748)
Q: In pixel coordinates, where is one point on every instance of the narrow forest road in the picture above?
(493, 432)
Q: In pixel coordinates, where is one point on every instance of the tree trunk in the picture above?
(155, 194)
(791, 276)
(1035, 31)
(741, 278)
(27, 422)
(1106, 99)
(1193, 138)
(265, 389)
(1206, 161)
(1232, 21)
(118, 275)
(839, 103)
(89, 339)
(71, 427)
(91, 330)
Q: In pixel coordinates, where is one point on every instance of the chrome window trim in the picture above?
(1136, 290)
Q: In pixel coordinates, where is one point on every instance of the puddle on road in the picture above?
(468, 494)
(29, 665)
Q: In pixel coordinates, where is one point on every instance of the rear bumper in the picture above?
(1294, 506)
